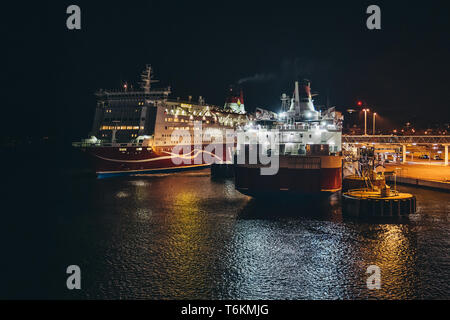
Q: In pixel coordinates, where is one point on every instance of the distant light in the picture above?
(360, 103)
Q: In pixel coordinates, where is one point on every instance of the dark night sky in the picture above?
(199, 48)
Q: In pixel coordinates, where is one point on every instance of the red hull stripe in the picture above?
(156, 169)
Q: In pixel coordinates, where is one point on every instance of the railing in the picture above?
(391, 139)
(106, 144)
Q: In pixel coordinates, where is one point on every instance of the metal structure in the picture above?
(391, 139)
(402, 141)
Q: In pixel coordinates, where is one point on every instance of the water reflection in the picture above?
(185, 236)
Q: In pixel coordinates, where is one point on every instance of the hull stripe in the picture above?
(100, 173)
(171, 156)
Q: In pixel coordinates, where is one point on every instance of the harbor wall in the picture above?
(444, 186)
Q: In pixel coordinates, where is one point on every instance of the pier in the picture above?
(409, 157)
(387, 142)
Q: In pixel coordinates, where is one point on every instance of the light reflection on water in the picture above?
(186, 236)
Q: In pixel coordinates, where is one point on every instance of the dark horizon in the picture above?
(200, 49)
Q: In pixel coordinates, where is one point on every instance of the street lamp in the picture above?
(374, 115)
(365, 121)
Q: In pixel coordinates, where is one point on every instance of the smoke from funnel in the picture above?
(259, 77)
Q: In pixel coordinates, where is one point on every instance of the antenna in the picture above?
(146, 78)
(284, 102)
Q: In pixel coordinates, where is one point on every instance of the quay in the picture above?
(405, 155)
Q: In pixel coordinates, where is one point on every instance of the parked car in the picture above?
(424, 156)
(437, 157)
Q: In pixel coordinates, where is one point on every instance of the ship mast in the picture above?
(146, 78)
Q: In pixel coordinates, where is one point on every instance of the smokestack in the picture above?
(296, 98)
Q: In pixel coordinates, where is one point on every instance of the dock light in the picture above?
(365, 121)
(374, 115)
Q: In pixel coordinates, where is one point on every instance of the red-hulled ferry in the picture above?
(145, 131)
(308, 146)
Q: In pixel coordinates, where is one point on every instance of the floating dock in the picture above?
(358, 182)
(369, 203)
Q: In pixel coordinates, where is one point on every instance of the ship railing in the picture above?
(288, 127)
(105, 144)
(84, 144)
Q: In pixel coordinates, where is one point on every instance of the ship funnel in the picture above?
(305, 96)
(302, 105)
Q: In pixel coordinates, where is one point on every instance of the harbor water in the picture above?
(189, 236)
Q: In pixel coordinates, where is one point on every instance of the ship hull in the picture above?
(296, 176)
(119, 161)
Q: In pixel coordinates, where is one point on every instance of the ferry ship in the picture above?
(308, 144)
(146, 131)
